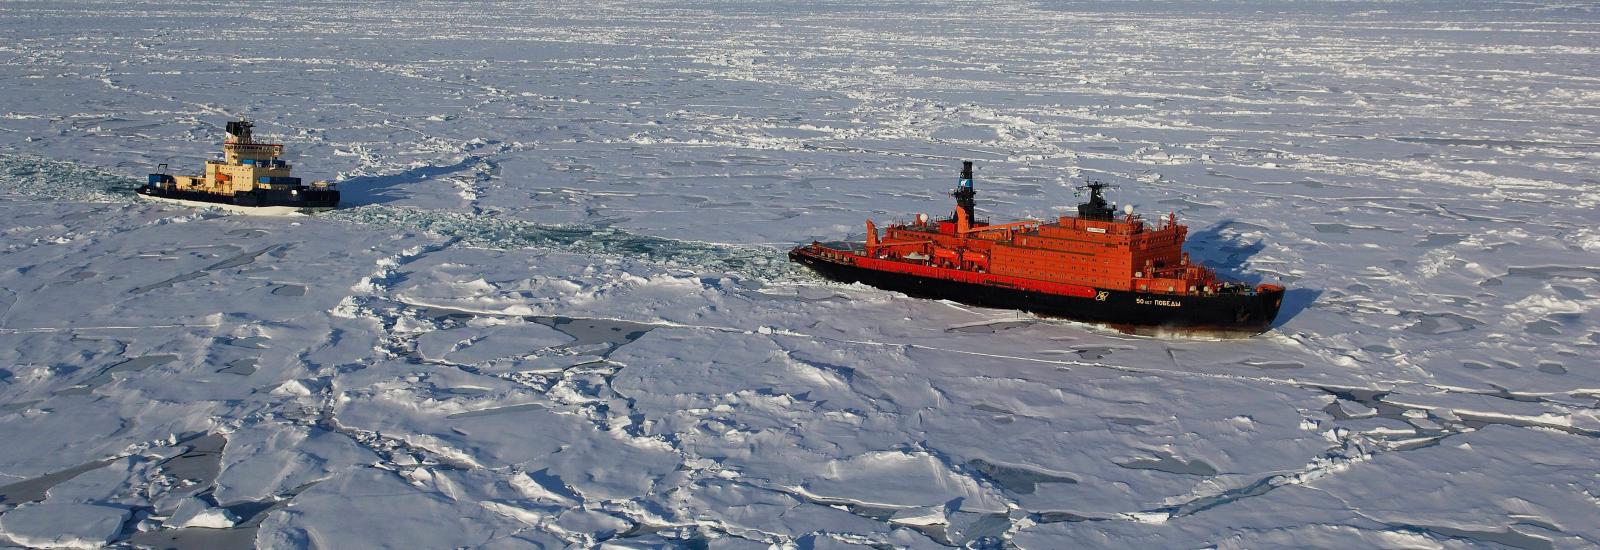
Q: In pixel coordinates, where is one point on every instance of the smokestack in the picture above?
(239, 131)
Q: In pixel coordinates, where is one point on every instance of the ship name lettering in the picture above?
(1163, 303)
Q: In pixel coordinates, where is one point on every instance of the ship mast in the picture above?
(964, 193)
(1097, 208)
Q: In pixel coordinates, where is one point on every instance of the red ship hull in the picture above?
(1221, 314)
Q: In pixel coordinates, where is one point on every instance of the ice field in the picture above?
(556, 312)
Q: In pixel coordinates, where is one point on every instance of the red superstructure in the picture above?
(1097, 249)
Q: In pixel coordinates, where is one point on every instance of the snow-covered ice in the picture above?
(63, 525)
(557, 314)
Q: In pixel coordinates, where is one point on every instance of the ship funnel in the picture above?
(966, 175)
(239, 131)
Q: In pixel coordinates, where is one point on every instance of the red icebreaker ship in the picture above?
(1097, 267)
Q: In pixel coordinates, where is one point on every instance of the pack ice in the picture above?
(556, 313)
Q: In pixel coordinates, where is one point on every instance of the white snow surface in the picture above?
(63, 525)
(557, 313)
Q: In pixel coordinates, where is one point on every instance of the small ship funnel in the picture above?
(239, 130)
(966, 175)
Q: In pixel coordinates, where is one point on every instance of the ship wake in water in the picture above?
(491, 231)
(37, 178)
